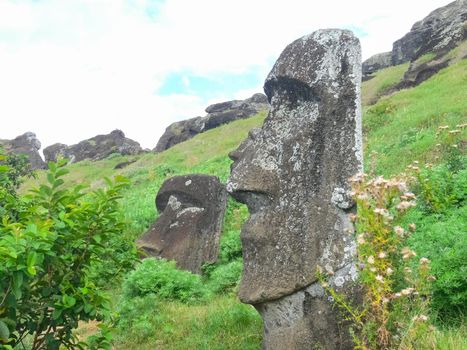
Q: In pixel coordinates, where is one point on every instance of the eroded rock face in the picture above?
(437, 33)
(95, 148)
(376, 62)
(293, 176)
(188, 228)
(27, 144)
(217, 114)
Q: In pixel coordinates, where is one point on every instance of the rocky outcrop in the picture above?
(27, 144)
(95, 148)
(437, 33)
(217, 114)
(188, 228)
(293, 176)
(376, 62)
(426, 46)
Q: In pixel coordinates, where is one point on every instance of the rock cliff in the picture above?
(95, 148)
(217, 114)
(27, 144)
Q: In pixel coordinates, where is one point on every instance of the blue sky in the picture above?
(76, 68)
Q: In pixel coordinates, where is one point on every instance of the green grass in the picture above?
(382, 81)
(402, 128)
(223, 323)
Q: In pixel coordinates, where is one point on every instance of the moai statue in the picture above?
(188, 229)
(293, 176)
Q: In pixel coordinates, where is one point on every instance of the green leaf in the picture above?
(68, 301)
(4, 332)
(56, 314)
(31, 261)
(4, 168)
(51, 178)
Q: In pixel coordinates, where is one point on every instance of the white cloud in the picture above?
(72, 69)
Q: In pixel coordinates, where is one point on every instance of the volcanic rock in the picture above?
(217, 114)
(437, 33)
(95, 148)
(293, 176)
(376, 62)
(188, 228)
(27, 144)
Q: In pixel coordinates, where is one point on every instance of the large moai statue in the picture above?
(293, 176)
(188, 229)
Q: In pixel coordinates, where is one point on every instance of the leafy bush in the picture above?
(442, 239)
(440, 189)
(162, 278)
(225, 277)
(46, 251)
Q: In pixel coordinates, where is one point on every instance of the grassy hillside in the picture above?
(400, 128)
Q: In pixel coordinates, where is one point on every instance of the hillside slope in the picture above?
(401, 128)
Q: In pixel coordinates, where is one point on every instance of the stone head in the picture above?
(293, 172)
(188, 228)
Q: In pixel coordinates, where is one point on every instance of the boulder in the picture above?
(217, 114)
(179, 132)
(188, 228)
(376, 62)
(95, 148)
(437, 33)
(293, 176)
(27, 144)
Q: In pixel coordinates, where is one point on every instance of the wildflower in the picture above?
(412, 227)
(379, 278)
(371, 259)
(424, 261)
(407, 253)
(399, 231)
(382, 255)
(407, 270)
(353, 217)
(319, 269)
(404, 205)
(360, 239)
(397, 295)
(420, 318)
(389, 271)
(362, 196)
(324, 285)
(385, 300)
(431, 278)
(373, 269)
(407, 291)
(409, 195)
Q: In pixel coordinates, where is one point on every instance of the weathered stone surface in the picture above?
(293, 176)
(27, 144)
(437, 33)
(178, 132)
(376, 62)
(218, 114)
(95, 148)
(188, 228)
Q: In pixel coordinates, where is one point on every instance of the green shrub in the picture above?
(46, 250)
(225, 277)
(162, 278)
(440, 189)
